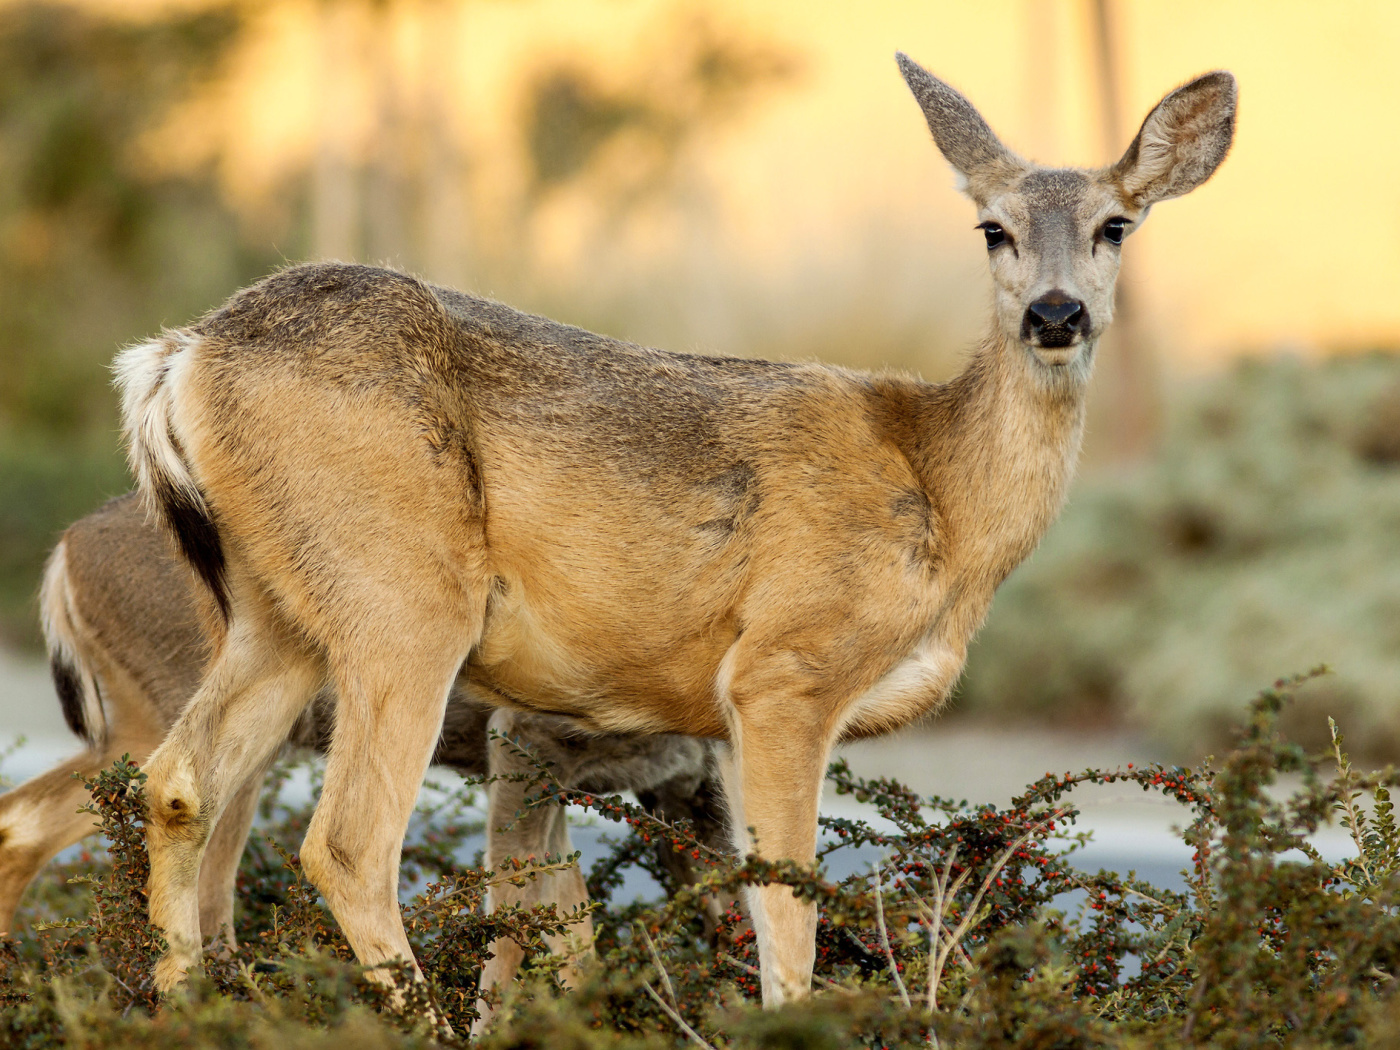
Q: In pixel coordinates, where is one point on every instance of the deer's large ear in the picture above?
(1182, 141)
(983, 164)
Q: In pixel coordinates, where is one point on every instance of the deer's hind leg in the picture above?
(259, 682)
(392, 679)
(513, 831)
(44, 816)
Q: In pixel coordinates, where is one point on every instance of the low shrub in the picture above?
(974, 929)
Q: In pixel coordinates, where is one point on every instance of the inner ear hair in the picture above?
(1181, 143)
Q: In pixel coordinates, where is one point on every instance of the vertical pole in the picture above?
(1042, 84)
(443, 232)
(389, 162)
(335, 205)
(1131, 405)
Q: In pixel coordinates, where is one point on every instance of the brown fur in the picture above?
(119, 606)
(403, 479)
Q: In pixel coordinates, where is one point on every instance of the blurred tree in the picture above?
(1130, 407)
(705, 77)
(95, 249)
(620, 182)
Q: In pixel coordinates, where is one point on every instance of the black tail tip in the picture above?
(198, 539)
(68, 683)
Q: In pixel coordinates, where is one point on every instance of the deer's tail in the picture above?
(148, 376)
(73, 678)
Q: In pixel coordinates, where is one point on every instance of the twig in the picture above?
(656, 961)
(523, 873)
(885, 938)
(824, 981)
(132, 1001)
(970, 918)
(1198, 993)
(690, 1033)
(251, 980)
(936, 927)
(937, 922)
(1126, 889)
(926, 915)
(1353, 819)
(937, 955)
(671, 1009)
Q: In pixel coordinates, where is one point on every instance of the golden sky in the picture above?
(830, 181)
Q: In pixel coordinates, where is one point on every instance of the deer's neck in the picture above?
(996, 449)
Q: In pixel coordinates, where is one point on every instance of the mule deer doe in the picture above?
(382, 481)
(127, 648)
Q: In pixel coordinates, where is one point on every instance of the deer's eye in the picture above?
(994, 233)
(1114, 229)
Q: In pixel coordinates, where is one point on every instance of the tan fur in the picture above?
(119, 609)
(402, 478)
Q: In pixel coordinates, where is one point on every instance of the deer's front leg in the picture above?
(218, 871)
(773, 776)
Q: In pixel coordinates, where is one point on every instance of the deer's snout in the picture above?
(1054, 320)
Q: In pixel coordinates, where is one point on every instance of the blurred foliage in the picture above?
(700, 78)
(95, 250)
(1265, 533)
(974, 930)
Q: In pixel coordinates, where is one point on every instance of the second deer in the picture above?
(383, 482)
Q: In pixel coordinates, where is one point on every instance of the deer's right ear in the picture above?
(983, 164)
(1182, 141)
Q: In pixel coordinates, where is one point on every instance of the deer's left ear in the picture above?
(1182, 141)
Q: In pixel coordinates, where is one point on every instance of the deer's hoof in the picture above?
(171, 970)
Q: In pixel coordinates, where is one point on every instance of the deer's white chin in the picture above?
(1058, 356)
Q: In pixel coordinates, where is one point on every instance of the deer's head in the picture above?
(1054, 234)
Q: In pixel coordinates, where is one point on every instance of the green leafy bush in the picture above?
(975, 929)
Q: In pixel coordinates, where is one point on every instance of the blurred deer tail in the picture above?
(73, 679)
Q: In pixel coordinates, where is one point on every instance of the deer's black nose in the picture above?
(1054, 311)
(1054, 319)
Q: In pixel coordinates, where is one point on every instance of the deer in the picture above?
(386, 484)
(127, 633)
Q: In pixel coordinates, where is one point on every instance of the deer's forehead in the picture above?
(1050, 204)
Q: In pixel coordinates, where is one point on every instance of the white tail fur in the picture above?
(147, 375)
(143, 377)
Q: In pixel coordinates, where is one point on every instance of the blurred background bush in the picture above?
(751, 178)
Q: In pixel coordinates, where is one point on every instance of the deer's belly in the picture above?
(651, 678)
